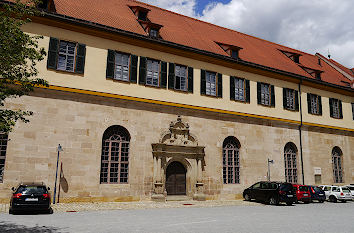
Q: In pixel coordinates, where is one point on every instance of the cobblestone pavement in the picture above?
(96, 206)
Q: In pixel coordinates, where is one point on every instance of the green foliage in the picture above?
(19, 55)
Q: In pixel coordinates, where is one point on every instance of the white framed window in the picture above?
(210, 88)
(152, 72)
(335, 108)
(239, 89)
(67, 54)
(121, 66)
(290, 99)
(314, 104)
(181, 78)
(265, 94)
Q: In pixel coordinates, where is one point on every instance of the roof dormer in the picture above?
(314, 73)
(293, 56)
(232, 50)
(140, 12)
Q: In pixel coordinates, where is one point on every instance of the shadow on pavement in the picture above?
(13, 228)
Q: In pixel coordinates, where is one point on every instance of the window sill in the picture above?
(118, 80)
(268, 106)
(315, 114)
(338, 118)
(291, 110)
(240, 101)
(66, 72)
(213, 96)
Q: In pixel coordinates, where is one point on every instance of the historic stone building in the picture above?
(147, 103)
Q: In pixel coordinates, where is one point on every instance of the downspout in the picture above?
(300, 135)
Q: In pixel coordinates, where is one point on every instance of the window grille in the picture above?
(265, 94)
(3, 147)
(210, 83)
(121, 66)
(152, 73)
(115, 155)
(231, 161)
(239, 89)
(337, 165)
(290, 99)
(181, 78)
(335, 108)
(314, 104)
(290, 164)
(67, 53)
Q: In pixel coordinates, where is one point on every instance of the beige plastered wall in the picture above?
(78, 122)
(94, 79)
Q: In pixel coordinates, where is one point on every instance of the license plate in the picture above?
(305, 195)
(290, 195)
(321, 194)
(31, 199)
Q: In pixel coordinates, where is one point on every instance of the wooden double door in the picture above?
(176, 179)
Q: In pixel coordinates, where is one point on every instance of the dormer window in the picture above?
(154, 33)
(142, 15)
(318, 75)
(314, 73)
(296, 58)
(232, 50)
(293, 56)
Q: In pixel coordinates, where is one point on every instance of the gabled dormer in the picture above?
(232, 50)
(293, 56)
(314, 73)
(151, 29)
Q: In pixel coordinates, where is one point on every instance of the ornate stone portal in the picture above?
(179, 145)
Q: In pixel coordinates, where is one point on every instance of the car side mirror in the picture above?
(13, 188)
(48, 188)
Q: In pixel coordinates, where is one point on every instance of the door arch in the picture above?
(176, 179)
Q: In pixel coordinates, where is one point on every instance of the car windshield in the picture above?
(32, 190)
(303, 188)
(351, 188)
(286, 187)
(345, 190)
(317, 189)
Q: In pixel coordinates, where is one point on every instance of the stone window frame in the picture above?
(3, 148)
(115, 156)
(290, 163)
(231, 160)
(337, 165)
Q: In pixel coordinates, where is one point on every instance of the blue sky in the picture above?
(201, 4)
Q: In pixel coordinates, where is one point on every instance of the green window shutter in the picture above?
(80, 58)
(171, 76)
(202, 83)
(259, 93)
(219, 85)
(190, 79)
(248, 91)
(232, 88)
(53, 53)
(340, 109)
(309, 103)
(331, 107)
(296, 101)
(284, 97)
(110, 64)
(142, 71)
(163, 83)
(133, 68)
(319, 105)
(272, 100)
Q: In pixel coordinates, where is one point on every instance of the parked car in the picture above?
(302, 193)
(317, 193)
(30, 197)
(335, 193)
(351, 188)
(271, 192)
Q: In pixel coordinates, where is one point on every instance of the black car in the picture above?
(30, 197)
(271, 192)
(317, 193)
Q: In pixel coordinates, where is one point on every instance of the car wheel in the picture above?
(50, 210)
(273, 201)
(333, 199)
(247, 197)
(11, 211)
(289, 203)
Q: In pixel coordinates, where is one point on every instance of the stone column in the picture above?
(199, 195)
(158, 194)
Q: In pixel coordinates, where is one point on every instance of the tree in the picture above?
(19, 55)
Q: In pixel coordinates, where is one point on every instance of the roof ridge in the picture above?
(232, 30)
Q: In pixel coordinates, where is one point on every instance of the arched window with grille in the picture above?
(3, 148)
(290, 162)
(337, 165)
(115, 155)
(231, 160)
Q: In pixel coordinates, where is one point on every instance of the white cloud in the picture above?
(310, 26)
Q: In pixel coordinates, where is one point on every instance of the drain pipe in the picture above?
(300, 135)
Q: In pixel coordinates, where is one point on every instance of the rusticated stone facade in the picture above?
(78, 121)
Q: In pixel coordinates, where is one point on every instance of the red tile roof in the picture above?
(194, 33)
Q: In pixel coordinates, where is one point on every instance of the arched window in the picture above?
(115, 155)
(290, 163)
(231, 160)
(337, 165)
(3, 147)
